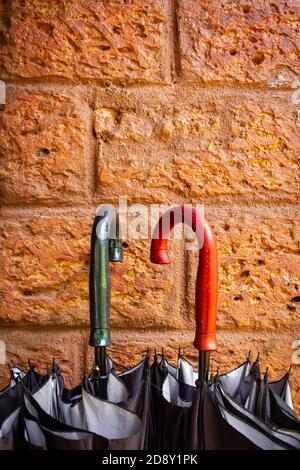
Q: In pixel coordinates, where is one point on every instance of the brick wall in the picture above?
(163, 101)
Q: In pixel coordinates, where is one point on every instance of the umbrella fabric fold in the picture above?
(270, 436)
(187, 417)
(11, 401)
(282, 389)
(11, 407)
(117, 422)
(207, 417)
(162, 407)
(271, 402)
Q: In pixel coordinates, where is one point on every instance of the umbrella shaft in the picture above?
(204, 357)
(100, 359)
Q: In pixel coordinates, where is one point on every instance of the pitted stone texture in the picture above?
(42, 138)
(179, 145)
(113, 41)
(251, 41)
(44, 277)
(40, 347)
(259, 278)
(44, 270)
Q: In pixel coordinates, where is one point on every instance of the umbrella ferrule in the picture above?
(100, 337)
(203, 371)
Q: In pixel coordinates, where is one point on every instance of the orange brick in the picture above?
(44, 277)
(112, 41)
(258, 268)
(42, 136)
(255, 41)
(178, 145)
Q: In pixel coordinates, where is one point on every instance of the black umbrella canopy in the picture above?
(182, 415)
(12, 405)
(42, 414)
(116, 422)
(205, 416)
(234, 411)
(107, 410)
(163, 407)
(186, 416)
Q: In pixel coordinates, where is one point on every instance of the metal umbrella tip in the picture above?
(266, 376)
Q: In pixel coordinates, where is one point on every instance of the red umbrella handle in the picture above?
(207, 275)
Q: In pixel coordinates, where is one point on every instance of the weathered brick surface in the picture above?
(111, 41)
(44, 270)
(92, 114)
(165, 145)
(137, 297)
(259, 268)
(42, 135)
(255, 41)
(44, 274)
(67, 347)
(44, 277)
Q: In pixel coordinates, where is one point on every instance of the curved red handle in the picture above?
(207, 275)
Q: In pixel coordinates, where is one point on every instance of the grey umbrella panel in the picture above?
(12, 404)
(192, 422)
(11, 401)
(269, 437)
(102, 417)
(282, 389)
(179, 394)
(42, 432)
(120, 420)
(45, 415)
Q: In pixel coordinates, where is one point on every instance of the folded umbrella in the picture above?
(180, 408)
(108, 410)
(205, 416)
(271, 402)
(268, 436)
(11, 407)
(88, 422)
(106, 246)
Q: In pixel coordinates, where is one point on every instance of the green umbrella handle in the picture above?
(103, 249)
